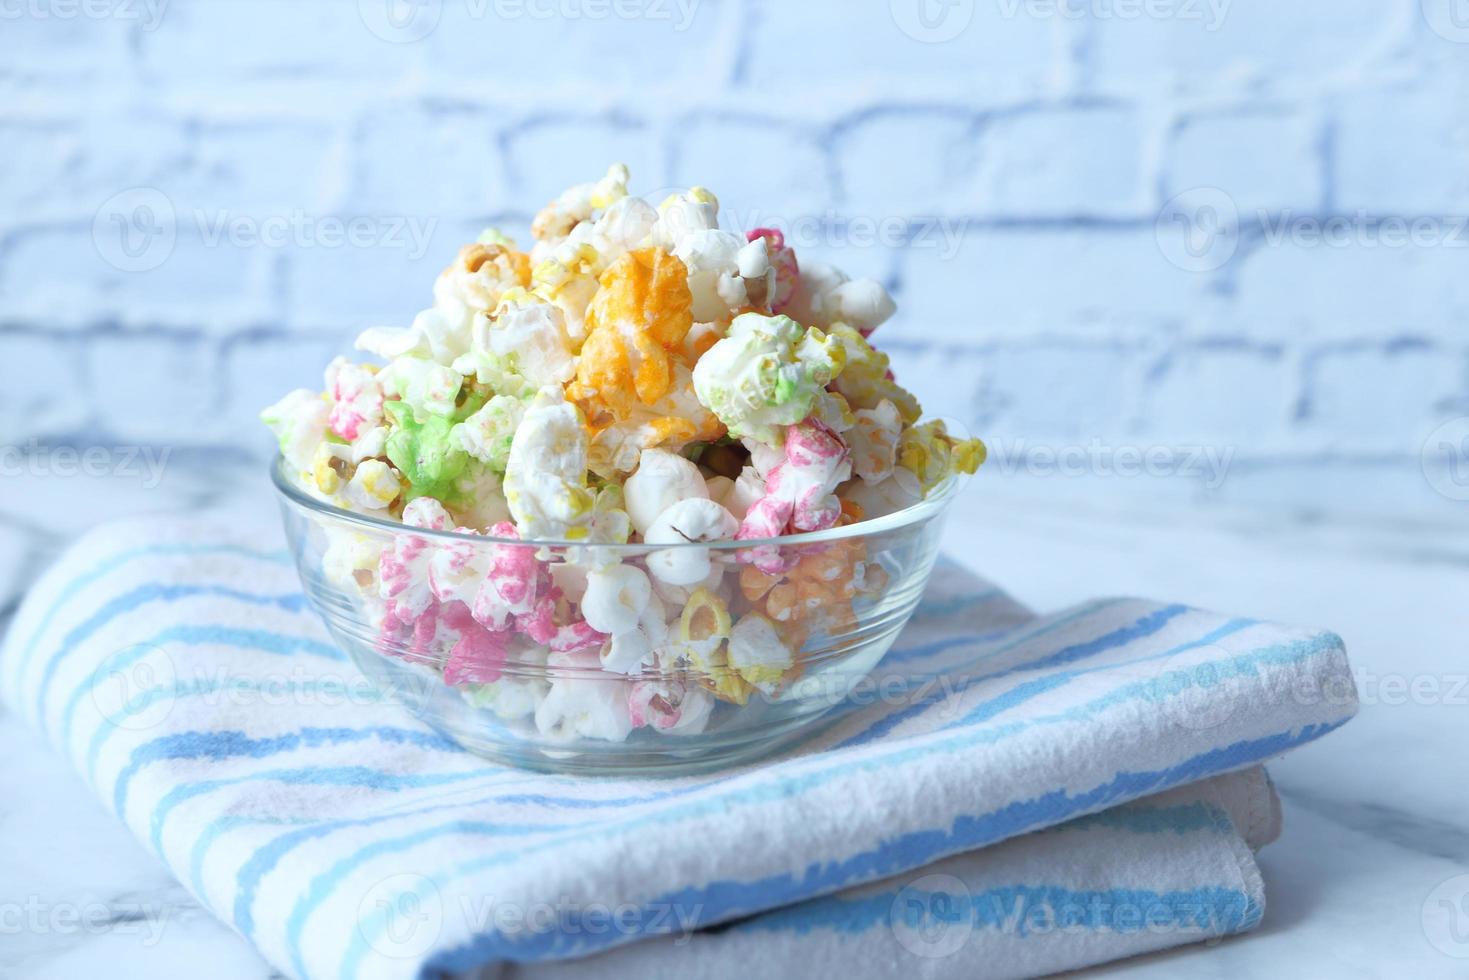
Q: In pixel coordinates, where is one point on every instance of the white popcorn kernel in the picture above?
(862, 303)
(873, 441)
(678, 595)
(899, 490)
(299, 422)
(533, 338)
(615, 598)
(545, 474)
(389, 343)
(711, 256)
(749, 488)
(626, 652)
(692, 520)
(584, 707)
(662, 479)
(571, 579)
(757, 653)
(718, 488)
(694, 711)
(428, 513)
(811, 302)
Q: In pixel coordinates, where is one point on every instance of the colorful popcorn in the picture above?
(640, 376)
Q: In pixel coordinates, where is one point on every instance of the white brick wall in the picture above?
(1003, 165)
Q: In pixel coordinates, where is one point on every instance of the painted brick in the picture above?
(1264, 161)
(350, 288)
(41, 386)
(1043, 303)
(60, 169)
(468, 174)
(1004, 281)
(909, 159)
(1297, 289)
(546, 156)
(1383, 398)
(199, 42)
(1063, 163)
(1224, 394)
(154, 388)
(259, 370)
(40, 40)
(241, 169)
(789, 178)
(1405, 150)
(1198, 46)
(982, 48)
(60, 277)
(1047, 391)
(664, 42)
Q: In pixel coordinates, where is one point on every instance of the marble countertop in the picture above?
(1370, 879)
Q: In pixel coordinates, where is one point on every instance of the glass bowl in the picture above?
(740, 647)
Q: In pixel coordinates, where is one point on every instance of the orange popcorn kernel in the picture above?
(636, 325)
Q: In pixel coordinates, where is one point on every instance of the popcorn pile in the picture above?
(640, 376)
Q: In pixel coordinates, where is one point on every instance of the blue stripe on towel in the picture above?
(430, 793)
(262, 641)
(721, 900)
(1143, 627)
(141, 596)
(216, 745)
(76, 586)
(1016, 910)
(904, 754)
(1111, 699)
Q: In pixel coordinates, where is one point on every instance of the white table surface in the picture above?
(1376, 815)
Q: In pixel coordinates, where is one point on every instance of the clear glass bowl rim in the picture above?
(926, 509)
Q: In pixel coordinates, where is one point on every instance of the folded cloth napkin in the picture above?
(180, 668)
(1174, 868)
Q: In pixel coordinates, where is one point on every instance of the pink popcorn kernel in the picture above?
(427, 513)
(539, 624)
(783, 260)
(410, 632)
(818, 454)
(478, 656)
(799, 494)
(514, 570)
(356, 400)
(656, 703)
(576, 636)
(402, 574)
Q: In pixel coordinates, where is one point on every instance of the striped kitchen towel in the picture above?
(177, 664)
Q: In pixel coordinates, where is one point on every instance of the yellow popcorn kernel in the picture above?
(327, 469)
(865, 378)
(704, 617)
(703, 627)
(377, 482)
(932, 454)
